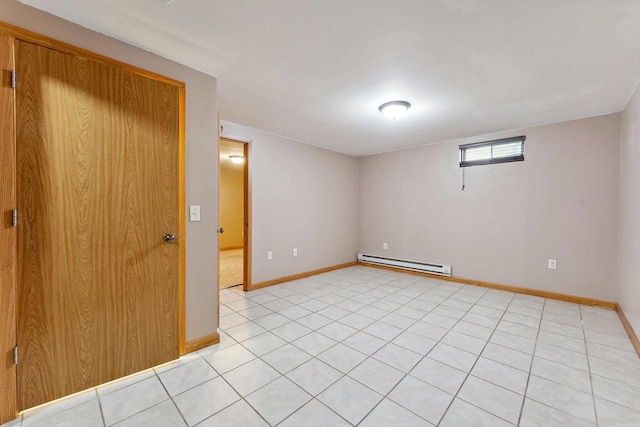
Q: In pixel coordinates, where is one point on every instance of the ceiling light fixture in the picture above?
(237, 159)
(394, 109)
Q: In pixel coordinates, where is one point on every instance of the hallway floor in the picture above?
(231, 267)
(368, 347)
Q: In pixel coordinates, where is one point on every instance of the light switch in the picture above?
(194, 213)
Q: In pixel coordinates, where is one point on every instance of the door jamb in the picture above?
(246, 259)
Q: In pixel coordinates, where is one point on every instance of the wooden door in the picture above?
(97, 189)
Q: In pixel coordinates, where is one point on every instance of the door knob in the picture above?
(169, 238)
(220, 230)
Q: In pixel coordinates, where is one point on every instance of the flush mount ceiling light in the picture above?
(394, 109)
(236, 159)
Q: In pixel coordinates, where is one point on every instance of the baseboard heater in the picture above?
(423, 267)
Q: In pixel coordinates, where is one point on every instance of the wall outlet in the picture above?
(385, 246)
(295, 251)
(551, 264)
(269, 255)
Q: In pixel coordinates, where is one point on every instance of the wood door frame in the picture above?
(9, 34)
(246, 283)
(8, 235)
(246, 184)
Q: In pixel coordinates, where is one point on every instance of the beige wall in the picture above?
(560, 203)
(201, 150)
(231, 205)
(302, 197)
(629, 219)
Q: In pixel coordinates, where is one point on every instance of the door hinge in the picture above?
(15, 355)
(13, 79)
(14, 218)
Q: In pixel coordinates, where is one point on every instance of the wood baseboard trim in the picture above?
(273, 282)
(534, 292)
(629, 329)
(202, 342)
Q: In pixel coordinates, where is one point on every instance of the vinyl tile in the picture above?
(561, 397)
(132, 399)
(350, 399)
(278, 400)
(377, 375)
(314, 376)
(390, 414)
(494, 399)
(461, 413)
(421, 398)
(314, 414)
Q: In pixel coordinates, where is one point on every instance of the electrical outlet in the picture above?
(295, 251)
(551, 264)
(269, 255)
(385, 246)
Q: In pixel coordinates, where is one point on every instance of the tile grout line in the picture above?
(169, 394)
(235, 391)
(437, 341)
(104, 421)
(219, 376)
(287, 342)
(586, 349)
(370, 356)
(386, 396)
(455, 396)
(440, 340)
(343, 375)
(533, 356)
(367, 356)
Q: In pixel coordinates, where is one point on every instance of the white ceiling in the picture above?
(316, 70)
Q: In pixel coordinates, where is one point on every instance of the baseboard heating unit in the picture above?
(423, 267)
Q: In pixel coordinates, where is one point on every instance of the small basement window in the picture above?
(489, 152)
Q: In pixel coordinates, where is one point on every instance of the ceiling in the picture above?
(317, 70)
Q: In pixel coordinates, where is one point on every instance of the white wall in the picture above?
(560, 203)
(201, 150)
(629, 219)
(302, 197)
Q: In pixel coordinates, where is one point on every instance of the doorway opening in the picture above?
(234, 237)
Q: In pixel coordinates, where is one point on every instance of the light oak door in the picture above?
(97, 190)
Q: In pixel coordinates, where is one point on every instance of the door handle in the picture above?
(220, 230)
(169, 238)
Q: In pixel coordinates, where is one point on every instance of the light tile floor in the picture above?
(369, 347)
